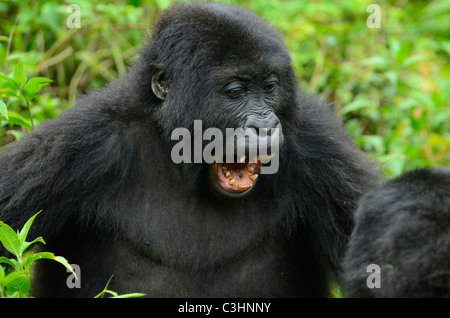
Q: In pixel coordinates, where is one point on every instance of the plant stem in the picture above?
(29, 112)
(8, 48)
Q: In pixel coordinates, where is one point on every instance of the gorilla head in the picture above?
(240, 77)
(403, 229)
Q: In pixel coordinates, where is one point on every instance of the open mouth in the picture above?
(235, 179)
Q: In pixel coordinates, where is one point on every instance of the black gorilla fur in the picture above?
(403, 227)
(114, 202)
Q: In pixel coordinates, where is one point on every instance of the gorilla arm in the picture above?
(59, 168)
(331, 174)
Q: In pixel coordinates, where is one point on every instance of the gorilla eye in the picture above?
(236, 92)
(269, 87)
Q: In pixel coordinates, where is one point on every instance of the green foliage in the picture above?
(391, 85)
(113, 294)
(16, 283)
(19, 90)
(336, 291)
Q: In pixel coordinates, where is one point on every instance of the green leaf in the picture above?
(12, 276)
(394, 46)
(424, 100)
(16, 119)
(34, 85)
(48, 255)
(377, 61)
(110, 292)
(20, 284)
(25, 245)
(412, 60)
(356, 105)
(10, 261)
(50, 17)
(10, 239)
(2, 274)
(132, 295)
(3, 109)
(8, 82)
(19, 75)
(375, 141)
(9, 92)
(14, 284)
(406, 104)
(393, 164)
(116, 295)
(337, 291)
(24, 232)
(36, 256)
(64, 262)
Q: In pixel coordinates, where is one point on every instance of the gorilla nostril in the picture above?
(276, 123)
(266, 122)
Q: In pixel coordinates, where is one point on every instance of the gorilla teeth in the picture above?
(266, 157)
(237, 177)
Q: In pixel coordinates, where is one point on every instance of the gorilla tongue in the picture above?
(236, 177)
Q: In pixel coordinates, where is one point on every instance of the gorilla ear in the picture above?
(160, 86)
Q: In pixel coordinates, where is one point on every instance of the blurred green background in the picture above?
(391, 85)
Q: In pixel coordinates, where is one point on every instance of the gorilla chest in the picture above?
(192, 232)
(195, 247)
(269, 270)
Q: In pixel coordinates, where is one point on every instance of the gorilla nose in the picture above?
(267, 130)
(267, 122)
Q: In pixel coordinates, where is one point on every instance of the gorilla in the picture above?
(115, 203)
(403, 228)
